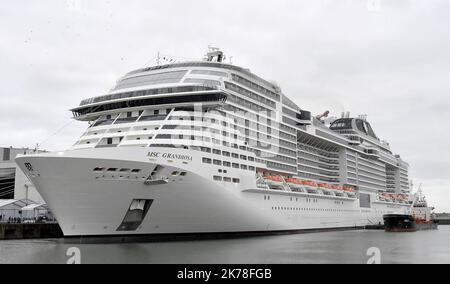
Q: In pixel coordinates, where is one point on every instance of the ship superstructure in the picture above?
(209, 147)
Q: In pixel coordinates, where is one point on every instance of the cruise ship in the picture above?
(207, 147)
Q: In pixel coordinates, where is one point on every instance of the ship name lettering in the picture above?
(170, 156)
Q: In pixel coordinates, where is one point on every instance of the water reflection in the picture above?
(330, 247)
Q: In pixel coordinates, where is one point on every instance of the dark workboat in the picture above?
(421, 217)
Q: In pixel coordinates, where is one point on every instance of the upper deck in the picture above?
(180, 80)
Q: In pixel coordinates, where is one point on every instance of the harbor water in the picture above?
(326, 247)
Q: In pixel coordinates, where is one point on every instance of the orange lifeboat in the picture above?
(294, 180)
(349, 189)
(274, 178)
(309, 183)
(325, 185)
(387, 196)
(337, 187)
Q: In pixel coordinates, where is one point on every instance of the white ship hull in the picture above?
(87, 203)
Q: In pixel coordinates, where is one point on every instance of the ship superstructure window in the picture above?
(249, 94)
(127, 117)
(256, 87)
(150, 92)
(204, 82)
(105, 120)
(217, 162)
(209, 72)
(207, 161)
(152, 115)
(151, 79)
(217, 178)
(205, 149)
(176, 99)
(344, 123)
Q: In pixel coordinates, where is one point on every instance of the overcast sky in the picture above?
(387, 59)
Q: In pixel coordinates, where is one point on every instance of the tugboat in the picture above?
(421, 217)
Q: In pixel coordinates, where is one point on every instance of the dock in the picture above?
(375, 227)
(10, 231)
